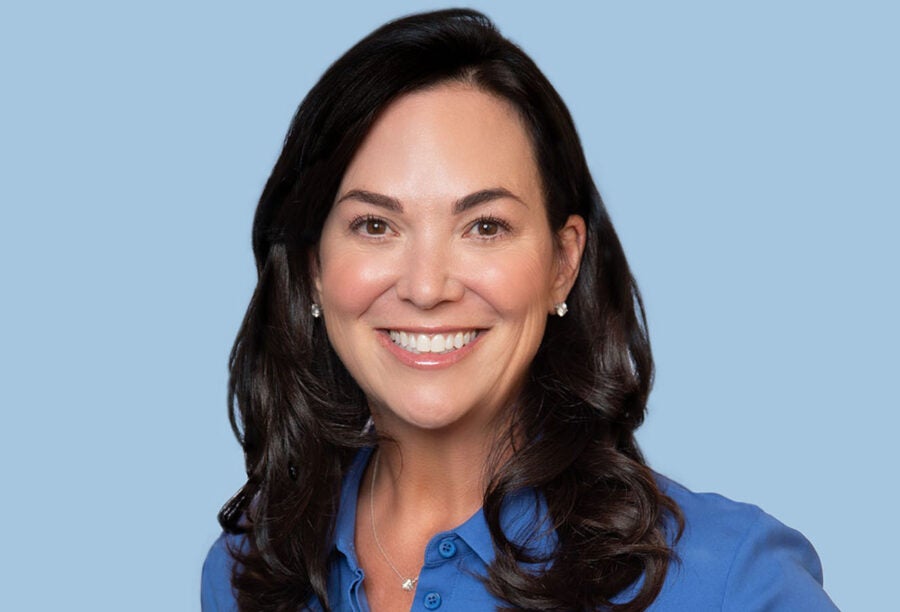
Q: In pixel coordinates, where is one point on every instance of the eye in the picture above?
(369, 226)
(489, 227)
(375, 227)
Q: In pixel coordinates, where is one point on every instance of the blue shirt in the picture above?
(733, 556)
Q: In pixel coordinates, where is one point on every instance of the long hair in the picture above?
(301, 418)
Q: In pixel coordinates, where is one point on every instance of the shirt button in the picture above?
(432, 601)
(447, 548)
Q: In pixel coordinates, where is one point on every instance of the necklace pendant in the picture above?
(408, 584)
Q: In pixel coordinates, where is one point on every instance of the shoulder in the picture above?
(216, 594)
(734, 556)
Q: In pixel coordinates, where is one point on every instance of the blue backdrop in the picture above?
(748, 155)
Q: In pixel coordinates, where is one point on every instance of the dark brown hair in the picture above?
(301, 418)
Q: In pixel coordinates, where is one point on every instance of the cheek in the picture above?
(352, 281)
(516, 282)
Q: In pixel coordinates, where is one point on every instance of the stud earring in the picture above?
(315, 310)
(561, 309)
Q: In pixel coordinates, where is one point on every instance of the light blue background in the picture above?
(748, 154)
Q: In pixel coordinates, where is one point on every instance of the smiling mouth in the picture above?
(432, 343)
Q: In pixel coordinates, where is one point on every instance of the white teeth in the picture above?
(423, 343)
(438, 343)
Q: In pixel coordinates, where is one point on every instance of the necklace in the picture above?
(407, 584)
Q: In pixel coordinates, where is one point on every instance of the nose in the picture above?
(428, 275)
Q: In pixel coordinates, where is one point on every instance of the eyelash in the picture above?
(500, 223)
(358, 223)
(361, 221)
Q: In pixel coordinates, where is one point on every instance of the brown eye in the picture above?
(375, 227)
(487, 228)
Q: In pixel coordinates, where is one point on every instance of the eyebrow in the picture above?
(460, 206)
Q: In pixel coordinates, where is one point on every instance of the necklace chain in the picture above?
(407, 584)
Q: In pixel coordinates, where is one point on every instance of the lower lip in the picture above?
(427, 361)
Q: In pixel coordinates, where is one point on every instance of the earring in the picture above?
(315, 310)
(561, 309)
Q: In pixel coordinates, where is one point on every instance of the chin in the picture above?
(429, 415)
(435, 419)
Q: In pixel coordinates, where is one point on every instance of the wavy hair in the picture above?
(300, 417)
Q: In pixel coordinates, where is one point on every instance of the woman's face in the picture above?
(437, 268)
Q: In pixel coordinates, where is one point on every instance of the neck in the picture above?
(436, 476)
(440, 481)
(418, 483)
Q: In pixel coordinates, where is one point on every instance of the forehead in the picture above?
(445, 142)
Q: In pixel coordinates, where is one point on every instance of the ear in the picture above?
(570, 240)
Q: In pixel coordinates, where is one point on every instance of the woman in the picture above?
(440, 373)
